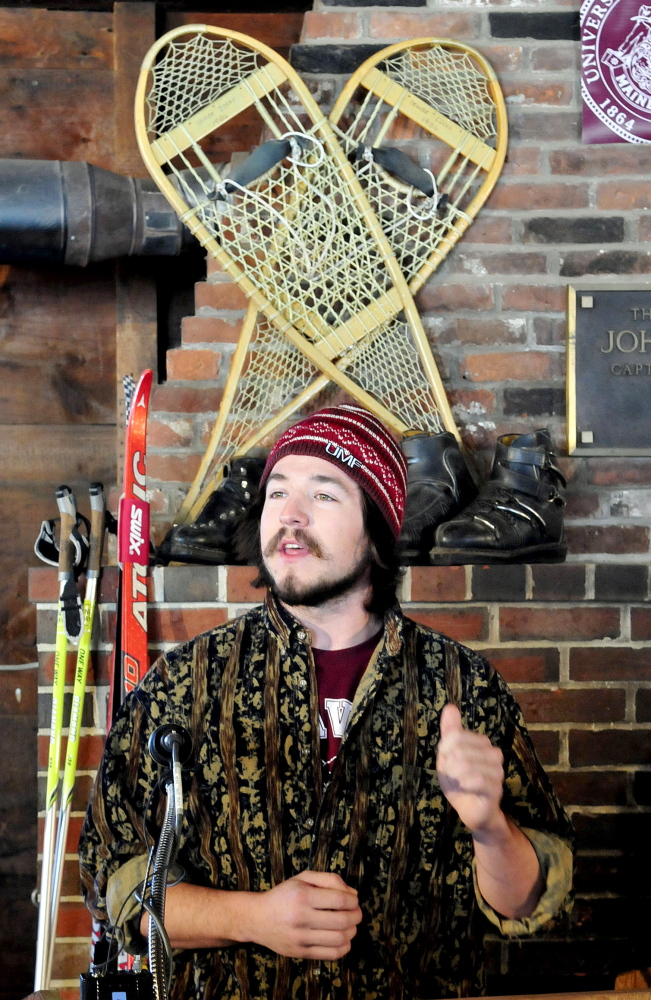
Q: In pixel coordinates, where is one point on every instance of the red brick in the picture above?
(68, 992)
(391, 26)
(472, 403)
(551, 59)
(521, 161)
(503, 58)
(528, 366)
(193, 365)
(468, 262)
(169, 435)
(571, 705)
(599, 161)
(449, 298)
(531, 196)
(623, 195)
(641, 626)
(70, 960)
(180, 624)
(172, 468)
(614, 663)
(644, 228)
(609, 746)
(489, 229)
(590, 788)
(612, 538)
(604, 261)
(74, 920)
(238, 585)
(545, 94)
(537, 126)
(534, 298)
(618, 471)
(548, 331)
(524, 665)
(185, 399)
(464, 624)
(331, 24)
(209, 329)
(581, 504)
(562, 624)
(219, 295)
(547, 744)
(438, 583)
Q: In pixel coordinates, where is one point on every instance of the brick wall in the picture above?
(574, 643)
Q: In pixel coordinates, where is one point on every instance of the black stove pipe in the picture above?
(56, 212)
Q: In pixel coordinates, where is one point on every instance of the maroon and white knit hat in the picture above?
(357, 443)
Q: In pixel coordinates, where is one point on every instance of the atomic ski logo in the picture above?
(616, 67)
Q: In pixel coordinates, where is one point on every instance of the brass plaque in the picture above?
(609, 369)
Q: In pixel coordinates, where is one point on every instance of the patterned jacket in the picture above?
(257, 811)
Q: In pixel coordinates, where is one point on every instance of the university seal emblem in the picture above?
(616, 71)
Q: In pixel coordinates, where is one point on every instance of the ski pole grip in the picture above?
(68, 511)
(97, 514)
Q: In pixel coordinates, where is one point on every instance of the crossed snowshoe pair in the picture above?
(516, 516)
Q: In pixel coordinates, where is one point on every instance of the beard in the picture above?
(311, 595)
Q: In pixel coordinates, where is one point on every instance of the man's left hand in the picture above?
(471, 774)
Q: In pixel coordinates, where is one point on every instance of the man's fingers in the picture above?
(331, 899)
(450, 720)
(326, 880)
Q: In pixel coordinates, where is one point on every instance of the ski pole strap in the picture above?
(46, 546)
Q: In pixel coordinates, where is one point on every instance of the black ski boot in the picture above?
(209, 539)
(518, 515)
(439, 485)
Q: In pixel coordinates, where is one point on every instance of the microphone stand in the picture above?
(167, 744)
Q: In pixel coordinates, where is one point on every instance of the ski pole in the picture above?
(97, 506)
(68, 512)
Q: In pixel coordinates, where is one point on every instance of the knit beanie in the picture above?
(357, 443)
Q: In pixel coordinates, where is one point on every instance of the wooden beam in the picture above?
(135, 32)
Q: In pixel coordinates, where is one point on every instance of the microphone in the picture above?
(171, 746)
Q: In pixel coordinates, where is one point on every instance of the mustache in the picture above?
(298, 535)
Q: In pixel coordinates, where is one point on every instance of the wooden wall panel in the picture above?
(49, 39)
(57, 346)
(56, 114)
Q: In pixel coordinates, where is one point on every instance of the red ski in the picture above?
(133, 545)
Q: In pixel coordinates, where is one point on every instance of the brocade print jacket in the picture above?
(257, 810)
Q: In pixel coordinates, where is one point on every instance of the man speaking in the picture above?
(363, 800)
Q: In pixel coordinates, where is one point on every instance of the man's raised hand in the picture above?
(313, 915)
(471, 774)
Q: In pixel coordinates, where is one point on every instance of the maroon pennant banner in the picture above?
(616, 71)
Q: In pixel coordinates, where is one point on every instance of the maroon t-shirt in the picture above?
(338, 672)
